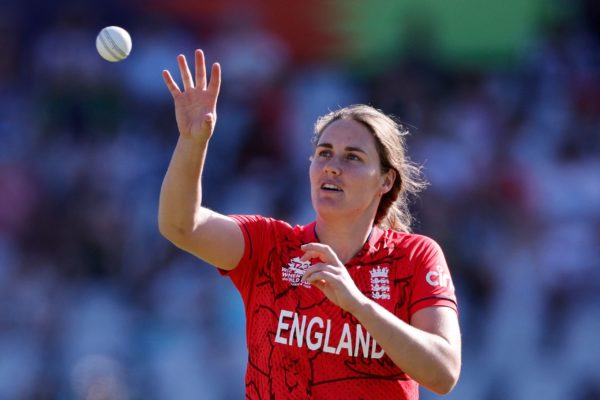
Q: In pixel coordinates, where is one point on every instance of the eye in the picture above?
(353, 157)
(324, 153)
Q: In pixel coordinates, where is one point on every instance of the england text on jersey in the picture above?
(315, 333)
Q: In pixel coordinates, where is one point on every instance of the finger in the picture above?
(214, 85)
(320, 276)
(308, 255)
(320, 251)
(316, 247)
(321, 267)
(200, 69)
(186, 75)
(170, 82)
(318, 255)
(319, 284)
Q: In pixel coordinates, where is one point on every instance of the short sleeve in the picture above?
(258, 236)
(433, 284)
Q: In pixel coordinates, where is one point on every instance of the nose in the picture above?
(333, 167)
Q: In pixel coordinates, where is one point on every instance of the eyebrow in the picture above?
(348, 148)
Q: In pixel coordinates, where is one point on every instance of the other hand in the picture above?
(196, 105)
(331, 276)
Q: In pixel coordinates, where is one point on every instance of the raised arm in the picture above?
(182, 219)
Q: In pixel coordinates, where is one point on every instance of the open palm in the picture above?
(196, 105)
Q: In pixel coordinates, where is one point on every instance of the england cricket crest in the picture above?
(380, 283)
(294, 271)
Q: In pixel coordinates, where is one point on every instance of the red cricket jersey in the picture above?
(302, 346)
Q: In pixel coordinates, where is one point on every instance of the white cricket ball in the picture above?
(113, 43)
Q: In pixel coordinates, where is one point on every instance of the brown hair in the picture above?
(390, 141)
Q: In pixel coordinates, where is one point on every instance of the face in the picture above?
(345, 172)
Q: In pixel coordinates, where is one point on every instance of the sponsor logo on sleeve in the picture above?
(439, 277)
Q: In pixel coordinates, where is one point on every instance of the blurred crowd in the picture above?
(94, 304)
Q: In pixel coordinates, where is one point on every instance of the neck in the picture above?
(345, 238)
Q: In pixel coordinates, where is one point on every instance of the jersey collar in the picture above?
(370, 246)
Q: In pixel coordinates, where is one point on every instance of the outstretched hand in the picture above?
(196, 105)
(331, 276)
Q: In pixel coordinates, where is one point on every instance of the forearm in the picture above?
(181, 192)
(427, 358)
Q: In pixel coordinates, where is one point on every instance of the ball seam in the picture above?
(110, 45)
(115, 45)
(106, 47)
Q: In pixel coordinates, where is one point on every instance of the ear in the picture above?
(388, 181)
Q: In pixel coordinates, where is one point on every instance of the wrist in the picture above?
(193, 146)
(194, 140)
(362, 306)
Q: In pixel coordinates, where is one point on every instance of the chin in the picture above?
(327, 209)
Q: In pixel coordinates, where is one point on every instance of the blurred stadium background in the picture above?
(504, 103)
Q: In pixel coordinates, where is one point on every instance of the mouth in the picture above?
(330, 187)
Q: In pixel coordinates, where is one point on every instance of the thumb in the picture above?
(209, 119)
